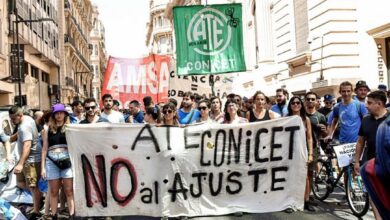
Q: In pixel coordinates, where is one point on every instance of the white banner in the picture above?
(207, 169)
(345, 154)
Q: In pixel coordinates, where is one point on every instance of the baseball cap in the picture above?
(328, 97)
(382, 87)
(361, 83)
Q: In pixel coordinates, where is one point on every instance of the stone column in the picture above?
(264, 32)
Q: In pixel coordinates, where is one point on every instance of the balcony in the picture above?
(69, 41)
(158, 5)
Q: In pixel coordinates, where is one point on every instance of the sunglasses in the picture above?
(202, 108)
(310, 99)
(295, 103)
(169, 111)
(90, 107)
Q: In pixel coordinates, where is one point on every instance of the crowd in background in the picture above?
(353, 117)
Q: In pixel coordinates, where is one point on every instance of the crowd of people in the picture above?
(352, 118)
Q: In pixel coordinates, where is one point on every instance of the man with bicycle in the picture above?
(376, 105)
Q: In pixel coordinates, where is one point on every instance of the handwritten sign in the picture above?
(206, 169)
(345, 154)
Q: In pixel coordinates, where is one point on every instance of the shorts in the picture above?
(312, 166)
(52, 171)
(30, 175)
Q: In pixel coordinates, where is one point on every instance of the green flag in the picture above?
(209, 39)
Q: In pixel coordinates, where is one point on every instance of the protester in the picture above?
(152, 115)
(37, 117)
(28, 167)
(187, 114)
(281, 106)
(135, 112)
(7, 146)
(349, 114)
(216, 113)
(78, 112)
(328, 100)
(382, 87)
(260, 112)
(361, 91)
(204, 109)
(91, 110)
(116, 105)
(231, 116)
(376, 173)
(169, 115)
(295, 107)
(388, 99)
(108, 113)
(148, 102)
(55, 162)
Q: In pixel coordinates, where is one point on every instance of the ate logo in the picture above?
(210, 29)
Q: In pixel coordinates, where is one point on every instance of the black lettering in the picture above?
(146, 138)
(169, 138)
(234, 145)
(186, 135)
(273, 145)
(172, 74)
(177, 182)
(292, 130)
(223, 132)
(203, 79)
(236, 181)
(202, 163)
(257, 146)
(247, 150)
(199, 177)
(147, 199)
(156, 192)
(256, 174)
(277, 180)
(194, 79)
(211, 178)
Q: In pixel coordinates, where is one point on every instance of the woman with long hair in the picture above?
(204, 109)
(216, 113)
(55, 162)
(260, 111)
(231, 116)
(170, 115)
(295, 107)
(152, 115)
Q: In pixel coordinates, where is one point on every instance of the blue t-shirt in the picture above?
(277, 109)
(350, 118)
(382, 154)
(139, 118)
(184, 117)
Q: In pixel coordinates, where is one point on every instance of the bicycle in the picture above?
(325, 182)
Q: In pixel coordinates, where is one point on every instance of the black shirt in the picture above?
(85, 121)
(56, 139)
(252, 117)
(368, 130)
(315, 119)
(325, 111)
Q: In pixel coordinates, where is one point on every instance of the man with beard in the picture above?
(187, 114)
(281, 106)
(91, 111)
(110, 114)
(361, 90)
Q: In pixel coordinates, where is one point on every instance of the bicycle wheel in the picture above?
(321, 185)
(357, 196)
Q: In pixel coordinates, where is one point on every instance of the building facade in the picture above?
(36, 47)
(98, 54)
(76, 70)
(313, 45)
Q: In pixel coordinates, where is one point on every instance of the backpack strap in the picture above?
(359, 109)
(191, 115)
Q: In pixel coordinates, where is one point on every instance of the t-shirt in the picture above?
(139, 117)
(280, 109)
(184, 117)
(368, 130)
(382, 155)
(3, 137)
(325, 111)
(114, 117)
(27, 131)
(85, 121)
(315, 119)
(350, 120)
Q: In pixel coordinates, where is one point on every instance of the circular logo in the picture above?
(209, 31)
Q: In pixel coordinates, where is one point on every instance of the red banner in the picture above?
(133, 79)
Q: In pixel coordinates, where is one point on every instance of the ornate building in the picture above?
(98, 55)
(36, 47)
(76, 71)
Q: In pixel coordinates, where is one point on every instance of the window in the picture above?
(45, 77)
(34, 72)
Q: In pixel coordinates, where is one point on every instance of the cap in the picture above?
(361, 83)
(328, 97)
(116, 102)
(382, 87)
(58, 108)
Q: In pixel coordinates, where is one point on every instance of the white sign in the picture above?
(207, 169)
(345, 154)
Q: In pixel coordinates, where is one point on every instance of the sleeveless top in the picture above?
(57, 140)
(252, 117)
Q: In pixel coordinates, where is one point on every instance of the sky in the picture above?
(125, 24)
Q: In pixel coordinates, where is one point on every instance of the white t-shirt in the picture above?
(114, 117)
